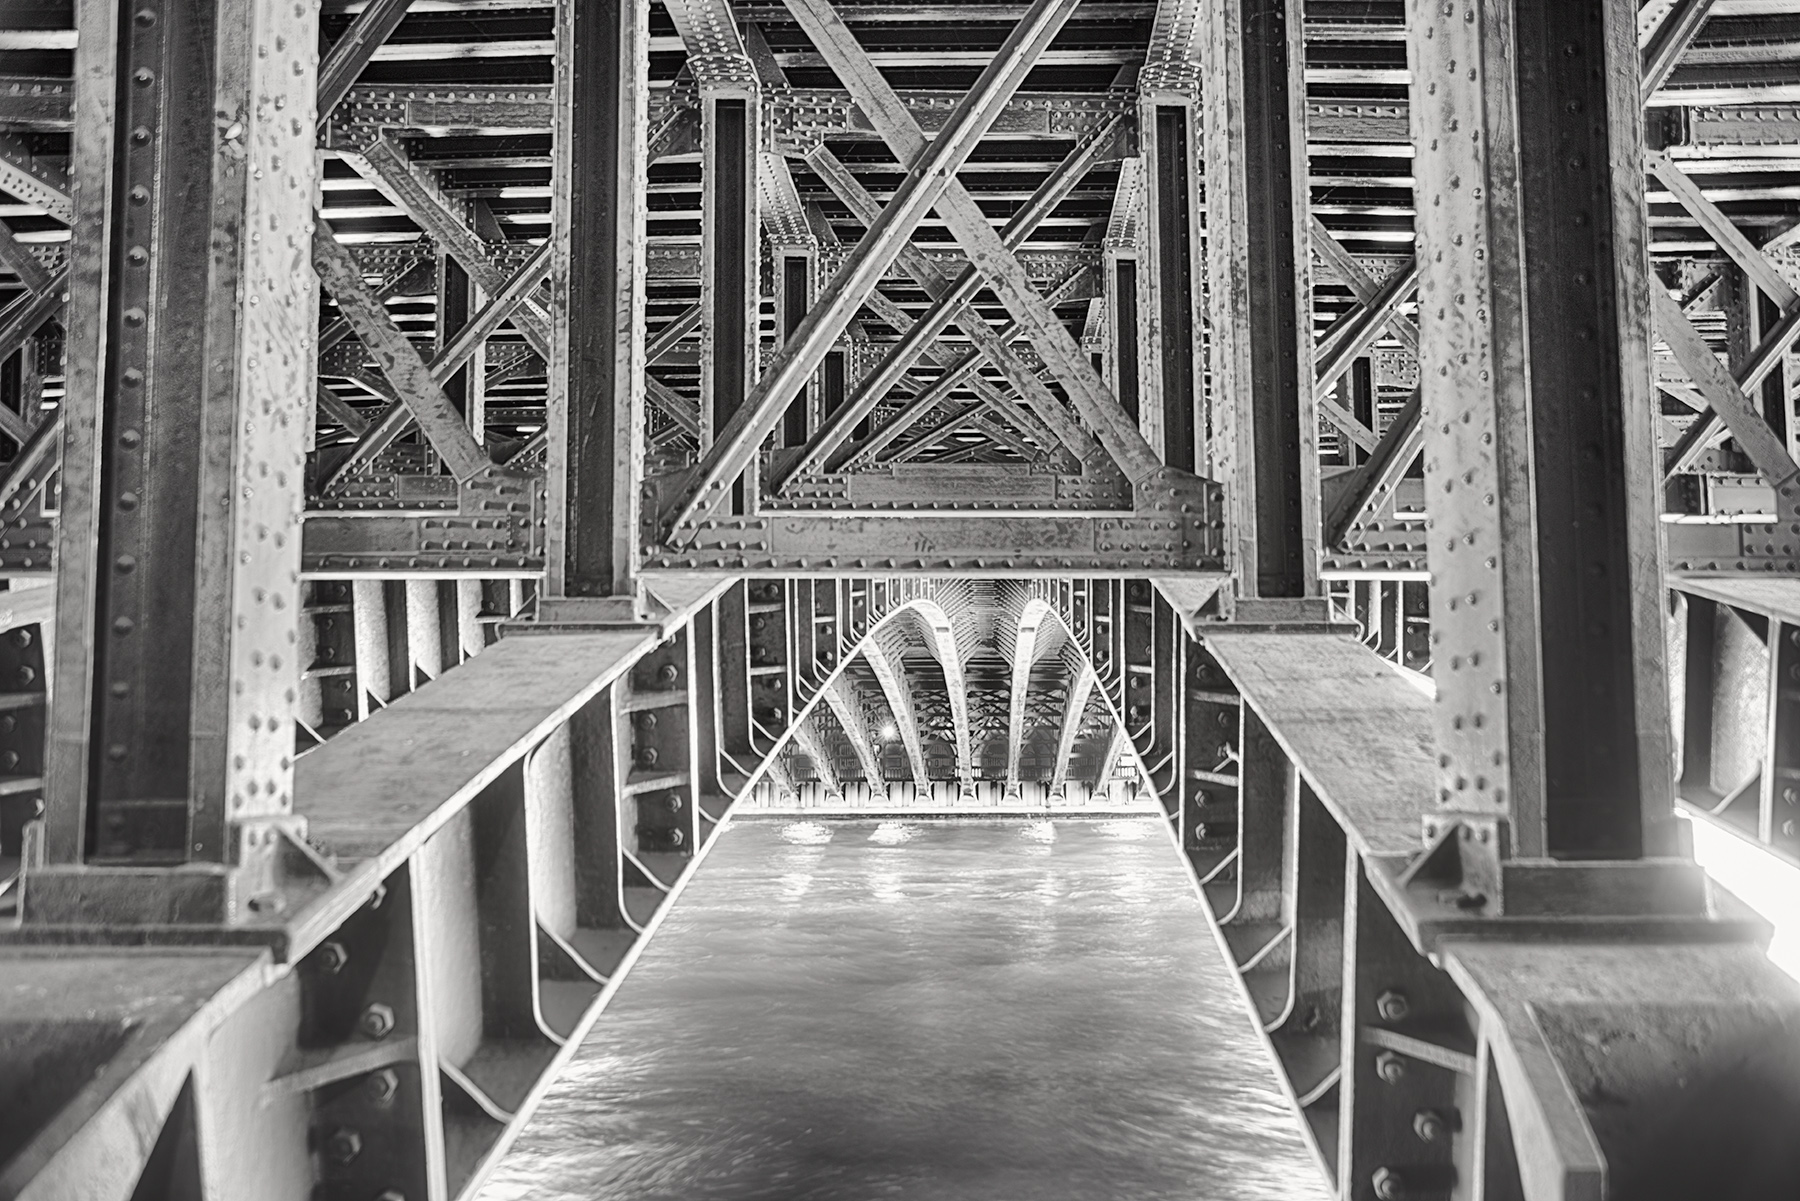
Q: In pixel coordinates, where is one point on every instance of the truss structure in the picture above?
(455, 450)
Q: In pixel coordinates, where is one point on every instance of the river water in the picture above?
(957, 1011)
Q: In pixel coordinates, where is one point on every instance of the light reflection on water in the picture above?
(959, 1012)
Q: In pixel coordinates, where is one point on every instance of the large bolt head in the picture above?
(1392, 1005)
(381, 1086)
(333, 957)
(1430, 1126)
(377, 1021)
(1388, 1184)
(344, 1145)
(1390, 1067)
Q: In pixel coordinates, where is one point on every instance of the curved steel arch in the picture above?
(937, 621)
(938, 617)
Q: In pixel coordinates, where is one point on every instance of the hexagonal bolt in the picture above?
(381, 1086)
(1389, 1185)
(377, 1021)
(332, 957)
(1390, 1067)
(1430, 1126)
(344, 1145)
(1392, 1005)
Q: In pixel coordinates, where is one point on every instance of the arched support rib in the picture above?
(824, 766)
(780, 781)
(941, 639)
(889, 672)
(1081, 686)
(1024, 653)
(1114, 752)
(840, 695)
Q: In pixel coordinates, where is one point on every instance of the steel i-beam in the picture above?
(1546, 601)
(1258, 258)
(190, 366)
(594, 418)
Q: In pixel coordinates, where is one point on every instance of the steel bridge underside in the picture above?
(456, 450)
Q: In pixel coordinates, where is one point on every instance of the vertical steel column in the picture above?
(454, 290)
(795, 292)
(1122, 306)
(595, 418)
(192, 321)
(1258, 267)
(1168, 192)
(728, 256)
(1540, 455)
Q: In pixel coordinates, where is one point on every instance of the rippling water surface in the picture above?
(1004, 1011)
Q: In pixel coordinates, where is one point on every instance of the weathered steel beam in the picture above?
(190, 381)
(678, 408)
(717, 56)
(1351, 338)
(354, 50)
(1708, 428)
(18, 259)
(729, 288)
(333, 407)
(594, 415)
(1258, 263)
(1545, 592)
(1670, 42)
(1719, 228)
(1352, 275)
(1177, 538)
(1168, 407)
(35, 104)
(1734, 409)
(28, 314)
(415, 383)
(386, 165)
(1115, 752)
(398, 417)
(25, 177)
(1378, 478)
(926, 182)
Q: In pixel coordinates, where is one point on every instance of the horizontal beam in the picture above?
(1046, 544)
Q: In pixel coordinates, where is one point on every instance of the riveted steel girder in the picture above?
(594, 412)
(190, 363)
(1258, 263)
(1545, 596)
